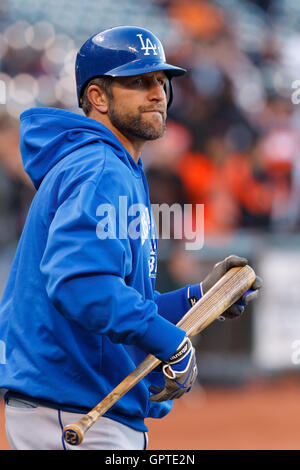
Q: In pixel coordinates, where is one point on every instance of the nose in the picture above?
(157, 92)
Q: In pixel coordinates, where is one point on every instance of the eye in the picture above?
(138, 81)
(161, 81)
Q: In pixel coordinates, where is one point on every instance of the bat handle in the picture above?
(73, 433)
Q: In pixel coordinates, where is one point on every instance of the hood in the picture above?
(48, 134)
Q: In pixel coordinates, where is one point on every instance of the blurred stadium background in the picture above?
(232, 144)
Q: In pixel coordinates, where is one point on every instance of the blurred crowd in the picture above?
(233, 136)
(232, 141)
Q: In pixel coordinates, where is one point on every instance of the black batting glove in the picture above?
(218, 271)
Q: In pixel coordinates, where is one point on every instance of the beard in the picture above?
(134, 124)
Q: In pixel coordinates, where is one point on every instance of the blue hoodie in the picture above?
(80, 310)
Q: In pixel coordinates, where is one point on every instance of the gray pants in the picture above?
(32, 427)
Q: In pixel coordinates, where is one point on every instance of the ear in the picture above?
(98, 98)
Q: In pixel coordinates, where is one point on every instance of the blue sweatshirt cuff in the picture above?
(194, 293)
(173, 305)
(162, 338)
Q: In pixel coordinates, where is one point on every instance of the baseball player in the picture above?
(80, 310)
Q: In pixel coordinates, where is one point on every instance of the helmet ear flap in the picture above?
(169, 91)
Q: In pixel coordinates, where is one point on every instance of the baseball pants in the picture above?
(34, 427)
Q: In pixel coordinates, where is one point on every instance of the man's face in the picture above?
(138, 107)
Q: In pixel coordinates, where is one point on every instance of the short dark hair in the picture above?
(104, 82)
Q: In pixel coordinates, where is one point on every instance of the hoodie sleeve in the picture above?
(173, 305)
(85, 280)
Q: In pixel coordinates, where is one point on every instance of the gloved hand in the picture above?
(218, 271)
(180, 373)
(238, 307)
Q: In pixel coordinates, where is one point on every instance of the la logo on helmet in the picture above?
(148, 46)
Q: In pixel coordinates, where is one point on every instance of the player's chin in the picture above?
(154, 128)
(155, 133)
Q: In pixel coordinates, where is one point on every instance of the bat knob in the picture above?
(73, 434)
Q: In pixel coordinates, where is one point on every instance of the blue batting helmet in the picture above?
(122, 51)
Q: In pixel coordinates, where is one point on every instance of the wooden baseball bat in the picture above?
(219, 298)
